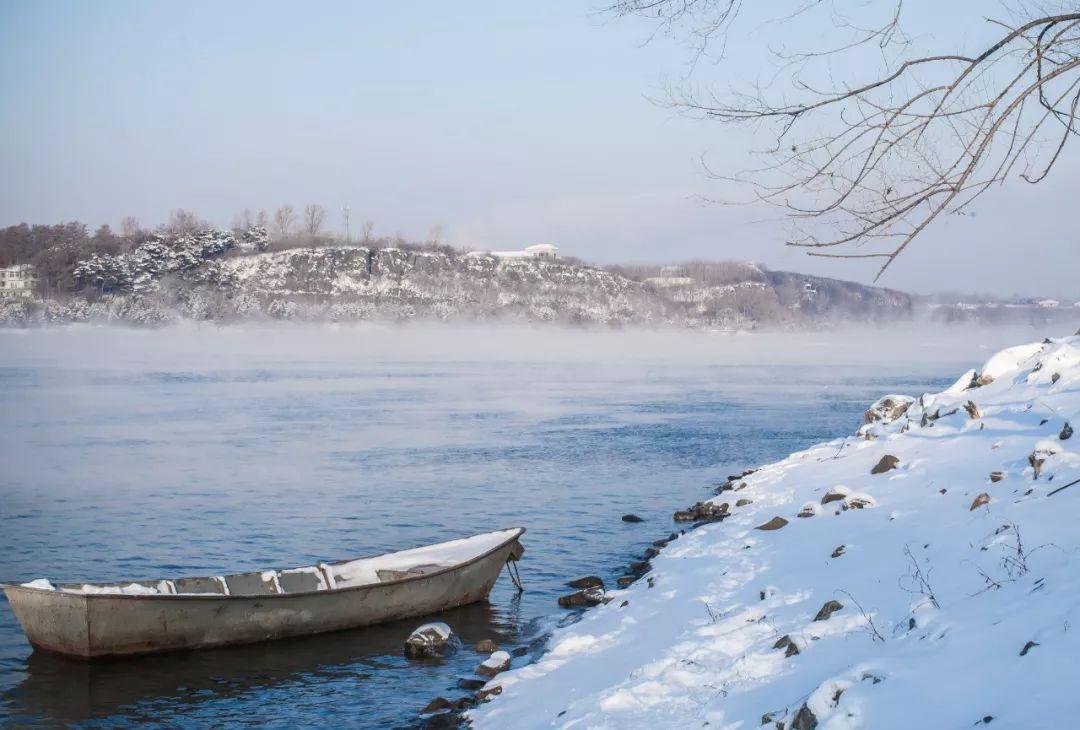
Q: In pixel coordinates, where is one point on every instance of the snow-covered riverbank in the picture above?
(941, 592)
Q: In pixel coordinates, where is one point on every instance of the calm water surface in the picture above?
(135, 456)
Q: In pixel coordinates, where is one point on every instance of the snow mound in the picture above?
(437, 629)
(920, 613)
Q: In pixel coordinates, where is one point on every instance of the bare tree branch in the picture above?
(862, 168)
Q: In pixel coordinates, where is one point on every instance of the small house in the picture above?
(18, 281)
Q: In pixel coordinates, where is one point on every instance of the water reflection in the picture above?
(56, 689)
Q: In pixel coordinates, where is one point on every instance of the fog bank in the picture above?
(207, 347)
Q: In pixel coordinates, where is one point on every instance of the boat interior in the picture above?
(320, 577)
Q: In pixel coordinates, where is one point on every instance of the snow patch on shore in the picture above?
(939, 609)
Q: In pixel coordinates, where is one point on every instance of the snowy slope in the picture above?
(939, 599)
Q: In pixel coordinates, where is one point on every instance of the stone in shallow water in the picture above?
(430, 640)
(471, 682)
(589, 581)
(498, 662)
(631, 518)
(436, 705)
(487, 646)
(588, 597)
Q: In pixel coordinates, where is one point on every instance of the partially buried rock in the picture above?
(979, 501)
(808, 510)
(626, 580)
(804, 720)
(785, 643)
(838, 551)
(631, 518)
(497, 662)
(858, 501)
(972, 409)
(889, 408)
(1028, 647)
(828, 610)
(743, 502)
(589, 581)
(430, 640)
(1037, 458)
(486, 646)
(774, 524)
(703, 512)
(996, 476)
(835, 494)
(1066, 432)
(887, 462)
(486, 694)
(580, 599)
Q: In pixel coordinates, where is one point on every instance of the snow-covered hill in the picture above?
(219, 276)
(922, 573)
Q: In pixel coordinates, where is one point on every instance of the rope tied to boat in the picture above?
(514, 573)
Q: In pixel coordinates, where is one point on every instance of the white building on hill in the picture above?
(539, 251)
(17, 281)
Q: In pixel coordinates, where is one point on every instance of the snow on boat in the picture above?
(92, 620)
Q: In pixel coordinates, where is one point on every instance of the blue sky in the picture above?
(507, 123)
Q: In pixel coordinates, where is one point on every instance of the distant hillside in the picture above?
(205, 276)
(769, 297)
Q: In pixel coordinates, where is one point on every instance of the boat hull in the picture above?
(90, 626)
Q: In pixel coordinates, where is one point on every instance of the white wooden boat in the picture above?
(92, 620)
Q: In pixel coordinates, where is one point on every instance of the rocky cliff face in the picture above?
(358, 283)
(398, 282)
(482, 285)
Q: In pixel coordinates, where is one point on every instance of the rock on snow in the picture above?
(941, 603)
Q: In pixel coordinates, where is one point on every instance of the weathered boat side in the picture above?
(92, 626)
(51, 619)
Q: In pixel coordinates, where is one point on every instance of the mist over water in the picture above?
(197, 450)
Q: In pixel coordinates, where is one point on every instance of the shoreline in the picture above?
(809, 604)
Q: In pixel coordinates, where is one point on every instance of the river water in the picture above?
(198, 451)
